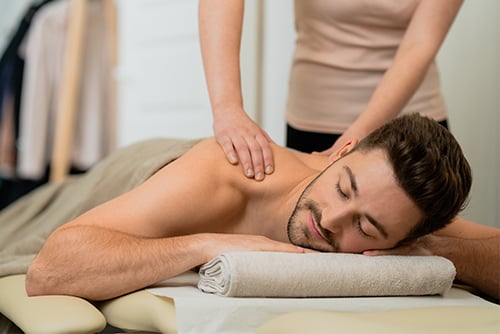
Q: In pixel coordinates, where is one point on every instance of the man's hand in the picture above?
(243, 141)
(222, 243)
(417, 247)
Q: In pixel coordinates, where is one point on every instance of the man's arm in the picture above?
(477, 260)
(475, 251)
(97, 263)
(160, 229)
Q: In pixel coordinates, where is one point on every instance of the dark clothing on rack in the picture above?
(11, 82)
(11, 64)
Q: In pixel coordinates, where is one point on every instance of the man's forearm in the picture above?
(477, 260)
(97, 264)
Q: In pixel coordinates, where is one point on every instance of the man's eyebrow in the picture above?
(354, 187)
(352, 179)
(378, 226)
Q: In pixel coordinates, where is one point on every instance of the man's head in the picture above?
(406, 179)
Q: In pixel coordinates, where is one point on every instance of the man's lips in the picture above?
(314, 228)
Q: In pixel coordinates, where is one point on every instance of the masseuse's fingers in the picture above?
(260, 155)
(243, 141)
(267, 154)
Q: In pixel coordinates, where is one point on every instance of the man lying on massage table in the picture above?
(381, 195)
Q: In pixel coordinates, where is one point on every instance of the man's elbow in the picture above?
(51, 272)
(47, 276)
(40, 282)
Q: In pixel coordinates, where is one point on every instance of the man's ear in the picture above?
(346, 148)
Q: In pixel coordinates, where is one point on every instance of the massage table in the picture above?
(182, 307)
(188, 310)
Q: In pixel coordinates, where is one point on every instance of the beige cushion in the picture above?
(142, 311)
(436, 320)
(47, 314)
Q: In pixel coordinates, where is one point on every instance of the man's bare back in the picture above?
(199, 194)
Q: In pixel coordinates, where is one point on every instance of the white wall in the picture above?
(161, 87)
(11, 12)
(161, 84)
(278, 45)
(470, 66)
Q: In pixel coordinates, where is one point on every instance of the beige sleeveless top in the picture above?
(343, 48)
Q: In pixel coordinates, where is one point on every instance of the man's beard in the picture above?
(297, 234)
(297, 230)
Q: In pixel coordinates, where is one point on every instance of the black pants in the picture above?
(306, 141)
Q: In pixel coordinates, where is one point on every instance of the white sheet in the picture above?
(199, 312)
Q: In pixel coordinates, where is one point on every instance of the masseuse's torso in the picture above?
(343, 48)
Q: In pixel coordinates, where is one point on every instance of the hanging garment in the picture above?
(92, 138)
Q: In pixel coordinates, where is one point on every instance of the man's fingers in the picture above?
(372, 252)
(410, 249)
(288, 248)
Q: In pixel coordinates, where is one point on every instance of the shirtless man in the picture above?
(198, 207)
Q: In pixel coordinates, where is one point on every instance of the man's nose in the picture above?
(336, 219)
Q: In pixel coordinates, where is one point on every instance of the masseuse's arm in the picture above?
(149, 234)
(241, 139)
(474, 249)
(423, 38)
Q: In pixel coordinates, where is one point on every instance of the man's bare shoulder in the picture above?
(210, 145)
(208, 155)
(204, 155)
(285, 155)
(205, 160)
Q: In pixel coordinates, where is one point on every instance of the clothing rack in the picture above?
(68, 95)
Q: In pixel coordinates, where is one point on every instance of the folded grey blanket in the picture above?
(269, 274)
(26, 224)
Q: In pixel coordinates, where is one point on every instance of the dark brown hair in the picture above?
(428, 164)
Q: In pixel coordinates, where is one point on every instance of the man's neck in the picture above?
(272, 201)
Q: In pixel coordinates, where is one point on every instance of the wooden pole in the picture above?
(112, 42)
(68, 93)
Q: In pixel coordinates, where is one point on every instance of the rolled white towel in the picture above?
(271, 274)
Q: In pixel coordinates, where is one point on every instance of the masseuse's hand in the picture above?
(243, 141)
(349, 135)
